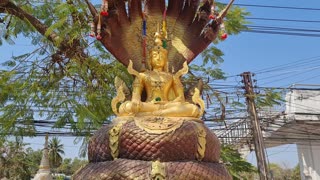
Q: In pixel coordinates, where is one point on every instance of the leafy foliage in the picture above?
(19, 162)
(235, 164)
(34, 159)
(235, 20)
(278, 172)
(70, 166)
(14, 163)
(71, 91)
(269, 98)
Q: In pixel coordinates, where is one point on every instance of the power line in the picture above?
(286, 20)
(254, 27)
(286, 65)
(278, 7)
(293, 65)
(281, 33)
(290, 76)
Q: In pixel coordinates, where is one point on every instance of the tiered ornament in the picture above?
(99, 37)
(93, 28)
(224, 35)
(212, 13)
(164, 29)
(104, 8)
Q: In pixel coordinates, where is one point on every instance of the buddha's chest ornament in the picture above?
(157, 80)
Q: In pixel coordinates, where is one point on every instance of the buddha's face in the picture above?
(158, 59)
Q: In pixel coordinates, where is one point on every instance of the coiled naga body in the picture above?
(158, 135)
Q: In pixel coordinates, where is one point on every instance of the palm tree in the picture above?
(55, 152)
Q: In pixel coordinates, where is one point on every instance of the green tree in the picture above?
(282, 173)
(70, 166)
(77, 164)
(13, 161)
(56, 150)
(65, 167)
(238, 167)
(34, 159)
(295, 175)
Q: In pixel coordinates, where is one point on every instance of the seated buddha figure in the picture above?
(164, 90)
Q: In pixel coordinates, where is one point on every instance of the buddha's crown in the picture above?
(159, 43)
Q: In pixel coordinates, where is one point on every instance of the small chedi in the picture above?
(158, 132)
(44, 172)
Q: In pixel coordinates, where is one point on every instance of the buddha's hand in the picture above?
(135, 106)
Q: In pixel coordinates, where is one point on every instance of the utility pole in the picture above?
(257, 134)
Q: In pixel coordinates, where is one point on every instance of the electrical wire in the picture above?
(259, 27)
(286, 20)
(278, 7)
(281, 33)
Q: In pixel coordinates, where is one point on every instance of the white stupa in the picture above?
(44, 172)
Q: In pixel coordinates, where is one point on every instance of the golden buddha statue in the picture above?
(165, 94)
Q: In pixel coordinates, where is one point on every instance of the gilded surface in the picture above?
(196, 98)
(165, 93)
(158, 171)
(201, 142)
(120, 85)
(114, 133)
(158, 125)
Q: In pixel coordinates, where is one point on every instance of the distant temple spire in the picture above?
(44, 172)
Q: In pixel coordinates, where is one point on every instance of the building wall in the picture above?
(303, 101)
(304, 106)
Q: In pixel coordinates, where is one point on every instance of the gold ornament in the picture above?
(114, 134)
(201, 142)
(158, 171)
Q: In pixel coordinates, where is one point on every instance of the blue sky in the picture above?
(253, 52)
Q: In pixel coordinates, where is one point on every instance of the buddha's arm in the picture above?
(137, 84)
(177, 84)
(178, 90)
(137, 88)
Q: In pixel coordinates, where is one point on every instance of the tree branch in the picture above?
(92, 9)
(69, 50)
(9, 7)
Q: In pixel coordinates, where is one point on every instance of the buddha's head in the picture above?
(158, 56)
